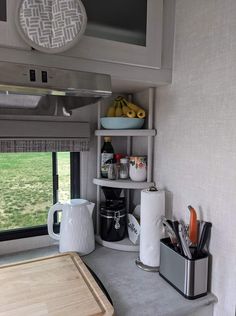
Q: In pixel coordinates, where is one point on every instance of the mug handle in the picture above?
(56, 207)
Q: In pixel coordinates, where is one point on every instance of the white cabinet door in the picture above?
(98, 44)
(8, 33)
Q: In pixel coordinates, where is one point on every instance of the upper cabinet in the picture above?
(9, 36)
(131, 40)
(123, 32)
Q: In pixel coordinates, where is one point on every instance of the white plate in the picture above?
(136, 211)
(133, 229)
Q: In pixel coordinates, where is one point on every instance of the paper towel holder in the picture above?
(145, 267)
(152, 188)
(138, 262)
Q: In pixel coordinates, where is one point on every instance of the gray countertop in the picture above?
(134, 292)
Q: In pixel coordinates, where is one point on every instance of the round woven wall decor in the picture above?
(51, 26)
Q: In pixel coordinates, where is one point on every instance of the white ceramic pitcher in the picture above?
(76, 231)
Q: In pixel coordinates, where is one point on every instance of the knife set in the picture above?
(184, 255)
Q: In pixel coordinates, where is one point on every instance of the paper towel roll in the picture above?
(152, 208)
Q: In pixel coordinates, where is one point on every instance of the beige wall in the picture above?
(195, 148)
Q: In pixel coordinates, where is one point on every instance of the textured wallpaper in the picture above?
(195, 147)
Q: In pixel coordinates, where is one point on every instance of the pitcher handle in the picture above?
(56, 207)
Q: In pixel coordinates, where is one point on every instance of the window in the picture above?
(3, 10)
(63, 169)
(26, 189)
(29, 184)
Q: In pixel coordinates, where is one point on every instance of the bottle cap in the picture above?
(107, 139)
(118, 157)
(124, 160)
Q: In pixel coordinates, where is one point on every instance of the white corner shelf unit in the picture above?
(150, 133)
(123, 184)
(123, 245)
(126, 132)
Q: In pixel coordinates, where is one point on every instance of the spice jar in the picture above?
(124, 168)
(112, 170)
(117, 159)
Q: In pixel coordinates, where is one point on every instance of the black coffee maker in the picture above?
(113, 215)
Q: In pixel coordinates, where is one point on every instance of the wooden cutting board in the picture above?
(60, 285)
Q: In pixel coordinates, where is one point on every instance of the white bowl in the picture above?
(121, 123)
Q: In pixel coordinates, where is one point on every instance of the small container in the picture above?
(117, 160)
(188, 276)
(113, 221)
(112, 170)
(138, 168)
(124, 168)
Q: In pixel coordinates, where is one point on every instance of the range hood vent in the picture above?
(28, 89)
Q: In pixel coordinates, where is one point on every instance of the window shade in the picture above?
(43, 136)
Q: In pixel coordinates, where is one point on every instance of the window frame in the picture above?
(41, 230)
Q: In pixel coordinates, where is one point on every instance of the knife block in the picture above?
(188, 276)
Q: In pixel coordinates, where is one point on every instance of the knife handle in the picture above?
(204, 236)
(175, 226)
(182, 236)
(193, 226)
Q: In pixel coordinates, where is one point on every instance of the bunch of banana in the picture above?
(120, 107)
(111, 112)
(134, 110)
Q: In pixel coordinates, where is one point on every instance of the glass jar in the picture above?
(112, 170)
(124, 168)
(117, 159)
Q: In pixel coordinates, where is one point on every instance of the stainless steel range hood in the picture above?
(37, 90)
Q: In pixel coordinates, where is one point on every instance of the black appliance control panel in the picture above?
(39, 76)
(44, 76)
(32, 75)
